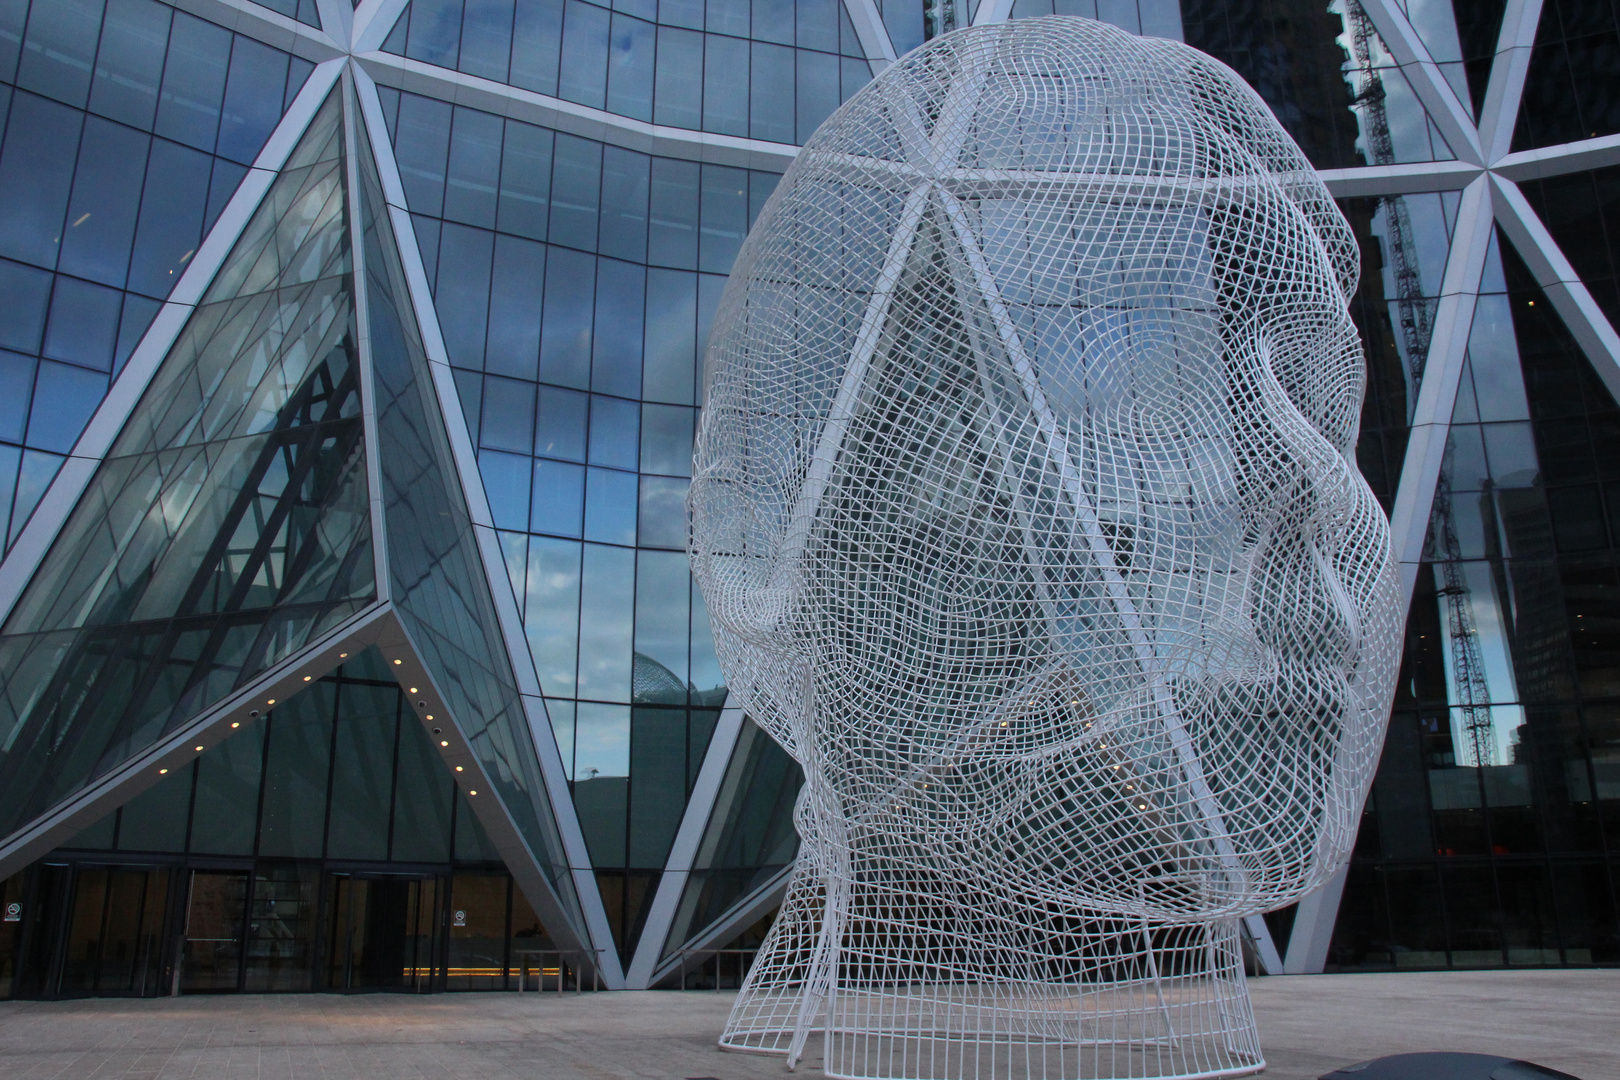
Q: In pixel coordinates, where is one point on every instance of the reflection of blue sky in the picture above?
(601, 741)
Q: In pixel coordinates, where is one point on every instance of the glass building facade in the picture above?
(351, 359)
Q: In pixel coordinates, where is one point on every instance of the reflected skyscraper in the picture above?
(351, 356)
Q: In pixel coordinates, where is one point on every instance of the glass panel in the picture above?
(1568, 89)
(438, 584)
(281, 928)
(749, 837)
(228, 524)
(478, 932)
(211, 959)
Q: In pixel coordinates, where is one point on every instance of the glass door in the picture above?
(381, 933)
(115, 932)
(216, 916)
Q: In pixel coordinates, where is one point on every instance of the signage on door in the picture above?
(13, 912)
(459, 919)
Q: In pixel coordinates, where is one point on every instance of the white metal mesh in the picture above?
(1026, 511)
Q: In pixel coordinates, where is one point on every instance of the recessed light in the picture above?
(444, 742)
(163, 772)
(398, 662)
(236, 723)
(472, 792)
(272, 701)
(343, 656)
(458, 768)
(197, 748)
(413, 689)
(308, 677)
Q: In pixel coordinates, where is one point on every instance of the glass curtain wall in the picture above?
(125, 127)
(322, 846)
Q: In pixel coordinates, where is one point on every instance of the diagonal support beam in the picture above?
(1500, 113)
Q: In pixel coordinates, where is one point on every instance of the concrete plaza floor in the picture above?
(1569, 1020)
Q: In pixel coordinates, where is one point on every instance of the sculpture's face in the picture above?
(1025, 502)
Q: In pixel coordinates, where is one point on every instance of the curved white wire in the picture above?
(1026, 510)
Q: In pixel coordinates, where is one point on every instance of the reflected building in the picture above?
(351, 358)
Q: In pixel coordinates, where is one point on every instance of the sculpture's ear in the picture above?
(1232, 106)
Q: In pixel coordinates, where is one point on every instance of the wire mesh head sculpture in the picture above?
(1026, 512)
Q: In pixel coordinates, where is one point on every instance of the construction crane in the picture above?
(1473, 693)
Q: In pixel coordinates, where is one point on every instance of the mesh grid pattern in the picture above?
(1026, 511)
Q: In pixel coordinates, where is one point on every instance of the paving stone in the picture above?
(1569, 1020)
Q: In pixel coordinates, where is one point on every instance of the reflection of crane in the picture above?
(1417, 327)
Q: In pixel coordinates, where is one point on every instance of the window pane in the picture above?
(193, 82)
(525, 202)
(129, 65)
(252, 105)
(514, 309)
(663, 582)
(615, 432)
(666, 439)
(474, 168)
(463, 293)
(663, 512)
(486, 38)
(725, 217)
(671, 336)
(59, 49)
(657, 783)
(610, 507)
(680, 78)
(422, 147)
(170, 226)
(725, 85)
(584, 54)
(630, 68)
(551, 612)
(560, 424)
(508, 415)
(616, 360)
(226, 816)
(36, 175)
(422, 797)
(106, 201)
(606, 622)
(537, 45)
(296, 774)
(817, 91)
(559, 491)
(576, 192)
(565, 337)
(624, 204)
(672, 236)
(771, 94)
(363, 771)
(84, 323)
(506, 483)
(435, 32)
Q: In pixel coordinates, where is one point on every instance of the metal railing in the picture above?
(744, 962)
(569, 961)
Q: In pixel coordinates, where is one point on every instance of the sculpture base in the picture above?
(1188, 1018)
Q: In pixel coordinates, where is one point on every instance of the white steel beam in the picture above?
(873, 32)
(1500, 113)
(405, 74)
(1579, 156)
(1412, 179)
(490, 556)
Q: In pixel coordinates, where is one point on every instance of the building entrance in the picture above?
(381, 932)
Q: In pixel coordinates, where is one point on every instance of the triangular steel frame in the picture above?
(347, 49)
